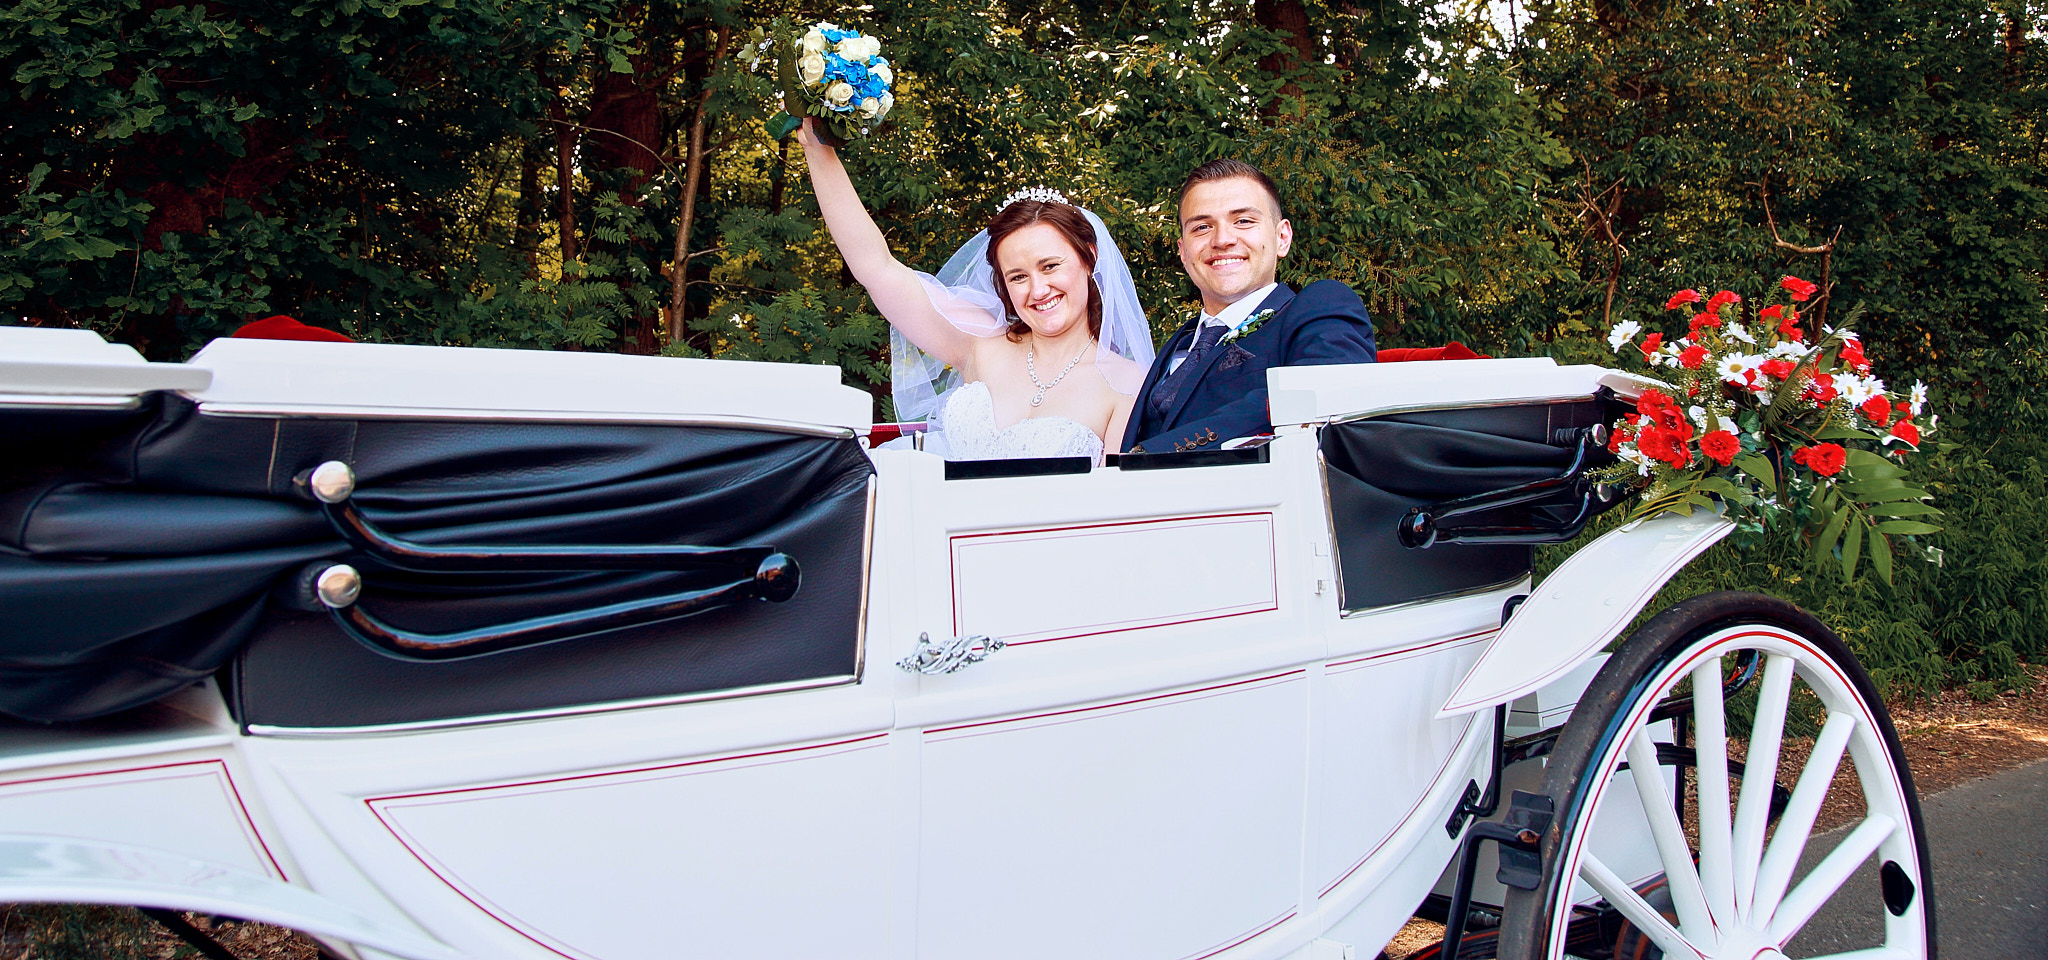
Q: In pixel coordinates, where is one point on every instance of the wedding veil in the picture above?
(964, 292)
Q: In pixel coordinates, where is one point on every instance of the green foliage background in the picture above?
(1516, 175)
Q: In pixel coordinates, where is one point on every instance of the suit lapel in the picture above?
(1274, 301)
(1134, 429)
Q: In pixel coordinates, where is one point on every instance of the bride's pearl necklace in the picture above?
(1031, 368)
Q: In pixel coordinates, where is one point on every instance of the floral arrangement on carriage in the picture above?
(838, 76)
(1789, 431)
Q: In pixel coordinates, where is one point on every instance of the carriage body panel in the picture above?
(1214, 732)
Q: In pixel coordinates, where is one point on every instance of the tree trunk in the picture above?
(1288, 17)
(693, 179)
(623, 132)
(565, 180)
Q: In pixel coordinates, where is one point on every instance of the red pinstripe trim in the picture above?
(616, 773)
(1120, 703)
(1112, 523)
(953, 569)
(1405, 818)
(517, 928)
(1491, 631)
(227, 777)
(1289, 915)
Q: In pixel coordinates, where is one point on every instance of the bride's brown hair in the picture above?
(1079, 234)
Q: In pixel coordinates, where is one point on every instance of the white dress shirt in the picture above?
(1231, 318)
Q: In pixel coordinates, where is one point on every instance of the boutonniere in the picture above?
(1247, 328)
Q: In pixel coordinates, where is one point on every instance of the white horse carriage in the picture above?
(439, 653)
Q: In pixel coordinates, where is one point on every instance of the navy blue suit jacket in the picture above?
(1324, 323)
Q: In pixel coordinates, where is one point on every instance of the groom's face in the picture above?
(1231, 239)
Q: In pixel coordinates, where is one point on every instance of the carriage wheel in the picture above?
(1739, 892)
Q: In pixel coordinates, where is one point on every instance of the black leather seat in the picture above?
(160, 553)
(1378, 469)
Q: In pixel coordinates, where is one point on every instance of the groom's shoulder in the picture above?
(1326, 296)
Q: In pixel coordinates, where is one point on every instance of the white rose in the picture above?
(870, 108)
(883, 73)
(814, 42)
(853, 49)
(882, 108)
(839, 92)
(811, 68)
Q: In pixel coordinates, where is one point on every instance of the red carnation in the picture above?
(1852, 356)
(1722, 299)
(1681, 298)
(1799, 289)
(1905, 430)
(1823, 458)
(1721, 445)
(1773, 312)
(1663, 411)
(1878, 409)
(1667, 446)
(1650, 345)
(1777, 368)
(1704, 320)
(1692, 357)
(1821, 390)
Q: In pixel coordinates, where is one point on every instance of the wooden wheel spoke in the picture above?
(1828, 876)
(1797, 823)
(1638, 911)
(1669, 835)
(1753, 811)
(1710, 741)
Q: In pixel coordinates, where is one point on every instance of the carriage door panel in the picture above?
(1165, 826)
(722, 851)
(1126, 778)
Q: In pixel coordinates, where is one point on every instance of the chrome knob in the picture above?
(330, 482)
(338, 586)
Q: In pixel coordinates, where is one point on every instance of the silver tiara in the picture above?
(1040, 194)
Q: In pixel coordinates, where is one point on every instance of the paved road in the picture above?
(1990, 845)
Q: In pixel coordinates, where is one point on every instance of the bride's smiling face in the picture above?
(1046, 279)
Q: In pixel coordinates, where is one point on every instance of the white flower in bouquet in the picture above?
(839, 93)
(814, 41)
(811, 68)
(870, 108)
(1622, 333)
(858, 49)
(1735, 368)
(1919, 398)
(880, 68)
(885, 101)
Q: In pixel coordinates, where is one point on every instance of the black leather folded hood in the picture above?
(149, 562)
(1378, 469)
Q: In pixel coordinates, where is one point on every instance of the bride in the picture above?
(1028, 343)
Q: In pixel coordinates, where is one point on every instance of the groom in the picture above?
(1208, 383)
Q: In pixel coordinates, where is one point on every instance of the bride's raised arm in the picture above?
(903, 297)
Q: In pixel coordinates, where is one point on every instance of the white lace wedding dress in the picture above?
(967, 424)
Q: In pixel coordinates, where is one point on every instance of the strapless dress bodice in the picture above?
(968, 423)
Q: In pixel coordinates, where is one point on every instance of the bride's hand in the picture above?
(807, 134)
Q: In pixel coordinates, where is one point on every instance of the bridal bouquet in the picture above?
(838, 76)
(1782, 429)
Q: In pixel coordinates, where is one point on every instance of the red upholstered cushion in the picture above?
(1449, 351)
(286, 328)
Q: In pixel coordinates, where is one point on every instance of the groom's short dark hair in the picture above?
(1225, 168)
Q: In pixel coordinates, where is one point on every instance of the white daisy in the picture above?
(1622, 333)
(1735, 368)
(1919, 397)
(1735, 330)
